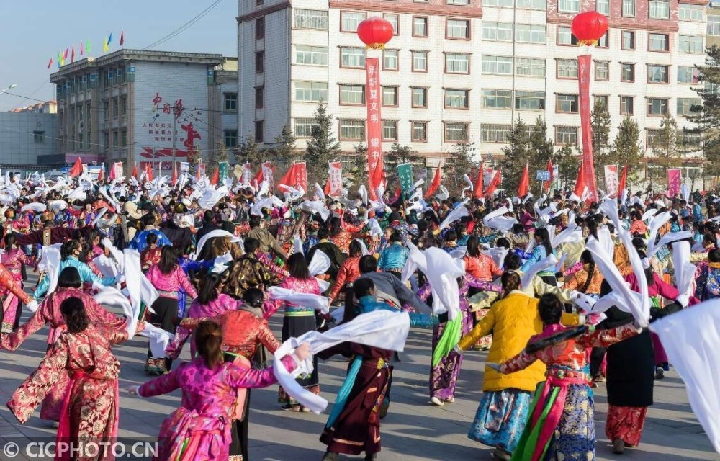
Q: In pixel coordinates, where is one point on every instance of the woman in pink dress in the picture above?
(168, 278)
(49, 313)
(13, 259)
(200, 429)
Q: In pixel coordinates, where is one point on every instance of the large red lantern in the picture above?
(375, 32)
(589, 27)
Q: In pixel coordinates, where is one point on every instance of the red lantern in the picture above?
(589, 27)
(375, 32)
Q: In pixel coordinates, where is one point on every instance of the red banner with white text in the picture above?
(588, 163)
(674, 180)
(335, 179)
(373, 125)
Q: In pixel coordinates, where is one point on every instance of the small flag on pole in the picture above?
(82, 48)
(87, 46)
(65, 56)
(122, 38)
(106, 46)
(50, 63)
(72, 55)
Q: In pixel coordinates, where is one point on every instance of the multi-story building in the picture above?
(223, 119)
(47, 107)
(137, 106)
(464, 70)
(27, 138)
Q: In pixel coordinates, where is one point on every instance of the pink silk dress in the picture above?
(200, 429)
(222, 303)
(13, 260)
(168, 285)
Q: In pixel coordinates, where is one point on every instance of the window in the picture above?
(311, 19)
(497, 99)
(389, 130)
(115, 108)
(304, 127)
(628, 40)
(456, 99)
(352, 57)
(457, 28)
(713, 25)
(259, 97)
(567, 68)
(685, 106)
(352, 95)
(530, 67)
(602, 70)
(495, 133)
(106, 110)
(260, 28)
(393, 19)
(458, 2)
(500, 3)
(654, 137)
(259, 62)
(123, 137)
(601, 100)
(456, 63)
(106, 140)
(419, 61)
(498, 31)
(116, 138)
(688, 74)
(603, 42)
(657, 73)
(569, 6)
(658, 42)
(659, 9)
(602, 6)
(627, 72)
(500, 65)
(39, 137)
(390, 59)
(419, 97)
(352, 130)
(420, 26)
(567, 104)
(456, 132)
(691, 138)
(565, 36)
(689, 12)
(627, 105)
(260, 131)
(230, 102)
(628, 8)
(530, 100)
(311, 55)
(231, 138)
(123, 106)
(657, 107)
(691, 44)
(311, 91)
(349, 20)
(418, 131)
(390, 96)
(531, 4)
(530, 33)
(566, 135)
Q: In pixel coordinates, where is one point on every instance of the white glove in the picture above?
(493, 366)
(32, 306)
(223, 259)
(133, 390)
(683, 300)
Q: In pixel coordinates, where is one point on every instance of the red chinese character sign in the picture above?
(335, 179)
(588, 28)
(674, 180)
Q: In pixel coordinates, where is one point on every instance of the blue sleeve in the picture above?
(423, 320)
(198, 265)
(42, 287)
(163, 240)
(383, 259)
(537, 255)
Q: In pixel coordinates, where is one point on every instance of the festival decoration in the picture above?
(375, 32)
(589, 27)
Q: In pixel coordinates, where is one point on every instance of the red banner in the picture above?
(674, 180)
(299, 172)
(588, 163)
(335, 179)
(611, 181)
(374, 125)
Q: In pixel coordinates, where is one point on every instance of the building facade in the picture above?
(223, 120)
(26, 138)
(464, 70)
(137, 106)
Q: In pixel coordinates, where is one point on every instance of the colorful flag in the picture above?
(551, 172)
(478, 192)
(65, 56)
(435, 182)
(524, 185)
(77, 168)
(82, 48)
(109, 39)
(72, 55)
(106, 46)
(50, 63)
(87, 46)
(122, 37)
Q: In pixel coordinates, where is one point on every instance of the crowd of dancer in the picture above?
(524, 279)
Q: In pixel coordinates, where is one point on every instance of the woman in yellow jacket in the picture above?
(503, 410)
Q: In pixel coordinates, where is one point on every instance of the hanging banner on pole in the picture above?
(299, 172)
(335, 179)
(405, 175)
(373, 125)
(674, 180)
(588, 164)
(611, 180)
(223, 168)
(267, 173)
(184, 168)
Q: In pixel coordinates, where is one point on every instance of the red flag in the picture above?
(216, 176)
(546, 186)
(67, 50)
(174, 179)
(494, 184)
(101, 174)
(327, 187)
(135, 172)
(289, 178)
(82, 48)
(122, 38)
(580, 183)
(524, 185)
(72, 55)
(77, 168)
(259, 177)
(111, 175)
(435, 182)
(478, 192)
(623, 180)
(148, 172)
(50, 63)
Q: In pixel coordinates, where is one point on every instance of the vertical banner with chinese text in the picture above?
(299, 179)
(405, 175)
(674, 180)
(588, 164)
(611, 180)
(335, 179)
(373, 125)
(223, 167)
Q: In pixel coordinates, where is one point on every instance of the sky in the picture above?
(33, 31)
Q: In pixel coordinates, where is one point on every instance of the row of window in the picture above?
(106, 79)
